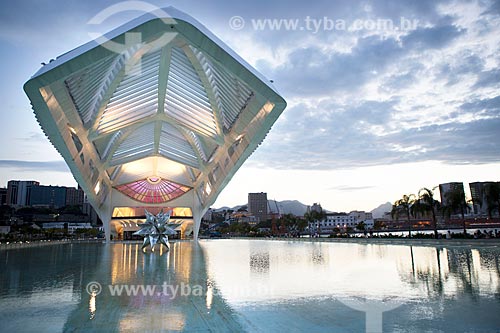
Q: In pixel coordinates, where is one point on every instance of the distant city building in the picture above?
(446, 188)
(19, 192)
(257, 205)
(479, 193)
(30, 193)
(88, 210)
(387, 216)
(74, 196)
(3, 196)
(243, 217)
(342, 221)
(362, 216)
(48, 196)
(316, 207)
(70, 226)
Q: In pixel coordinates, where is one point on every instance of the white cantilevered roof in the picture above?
(157, 120)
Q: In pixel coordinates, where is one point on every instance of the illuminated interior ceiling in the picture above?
(162, 121)
(152, 190)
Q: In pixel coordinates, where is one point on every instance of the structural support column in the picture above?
(107, 229)
(196, 222)
(105, 212)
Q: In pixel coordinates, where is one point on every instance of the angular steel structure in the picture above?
(157, 113)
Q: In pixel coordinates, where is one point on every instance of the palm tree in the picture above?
(316, 217)
(404, 206)
(455, 201)
(309, 219)
(426, 203)
(301, 225)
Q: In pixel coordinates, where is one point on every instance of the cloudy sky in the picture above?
(384, 97)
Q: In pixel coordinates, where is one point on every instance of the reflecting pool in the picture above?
(251, 285)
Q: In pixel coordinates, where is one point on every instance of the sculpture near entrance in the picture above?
(155, 230)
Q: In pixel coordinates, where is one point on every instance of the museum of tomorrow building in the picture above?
(158, 113)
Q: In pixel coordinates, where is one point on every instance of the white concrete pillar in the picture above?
(107, 229)
(196, 223)
(105, 212)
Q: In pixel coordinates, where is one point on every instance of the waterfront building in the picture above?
(163, 122)
(342, 221)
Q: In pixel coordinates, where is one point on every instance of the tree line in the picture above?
(411, 205)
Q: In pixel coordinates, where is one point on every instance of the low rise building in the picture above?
(342, 221)
(71, 226)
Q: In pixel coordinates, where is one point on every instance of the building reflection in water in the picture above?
(92, 307)
(210, 294)
(317, 256)
(163, 299)
(259, 262)
(130, 266)
(448, 272)
(341, 270)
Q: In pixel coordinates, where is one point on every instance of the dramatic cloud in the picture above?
(312, 71)
(354, 137)
(488, 78)
(431, 93)
(431, 38)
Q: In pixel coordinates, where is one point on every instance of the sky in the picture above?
(384, 97)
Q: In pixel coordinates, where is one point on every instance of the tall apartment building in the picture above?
(50, 196)
(257, 205)
(479, 192)
(74, 196)
(446, 188)
(3, 196)
(88, 210)
(19, 192)
(31, 193)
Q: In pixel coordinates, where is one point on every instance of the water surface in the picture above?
(251, 285)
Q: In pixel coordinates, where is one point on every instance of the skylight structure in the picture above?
(164, 121)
